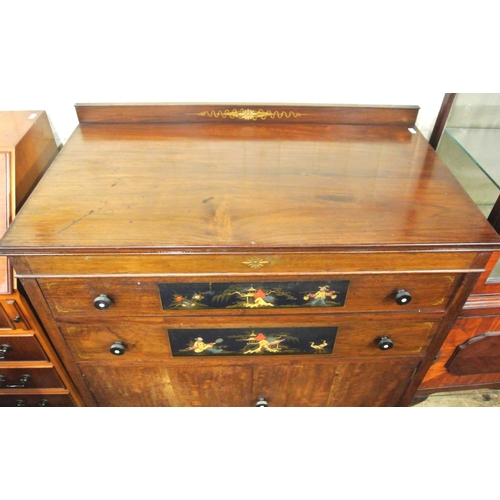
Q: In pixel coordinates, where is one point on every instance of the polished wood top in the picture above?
(255, 184)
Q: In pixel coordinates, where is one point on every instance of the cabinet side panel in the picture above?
(34, 154)
(5, 274)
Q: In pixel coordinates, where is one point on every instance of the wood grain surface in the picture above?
(170, 187)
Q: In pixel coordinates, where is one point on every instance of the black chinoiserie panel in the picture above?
(253, 295)
(252, 341)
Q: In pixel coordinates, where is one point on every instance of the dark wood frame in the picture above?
(441, 119)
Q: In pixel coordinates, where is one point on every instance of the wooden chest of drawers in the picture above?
(208, 255)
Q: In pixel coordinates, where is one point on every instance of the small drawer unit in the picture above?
(31, 373)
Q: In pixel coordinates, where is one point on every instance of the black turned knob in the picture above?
(20, 402)
(402, 297)
(102, 302)
(385, 343)
(117, 348)
(43, 402)
(4, 349)
(261, 403)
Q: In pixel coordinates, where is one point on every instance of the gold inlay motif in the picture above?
(255, 262)
(249, 114)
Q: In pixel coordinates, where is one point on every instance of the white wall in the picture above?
(58, 53)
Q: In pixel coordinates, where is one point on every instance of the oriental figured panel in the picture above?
(253, 295)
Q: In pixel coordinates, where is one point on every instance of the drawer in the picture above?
(29, 378)
(192, 264)
(340, 336)
(21, 348)
(36, 400)
(157, 297)
(11, 316)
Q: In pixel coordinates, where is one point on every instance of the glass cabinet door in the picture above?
(470, 147)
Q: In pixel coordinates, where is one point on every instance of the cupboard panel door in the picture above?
(294, 385)
(349, 384)
(157, 385)
(371, 384)
(464, 329)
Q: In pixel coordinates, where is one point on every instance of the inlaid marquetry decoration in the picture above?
(255, 262)
(249, 114)
(265, 295)
(252, 342)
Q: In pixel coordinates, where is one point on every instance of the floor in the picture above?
(470, 398)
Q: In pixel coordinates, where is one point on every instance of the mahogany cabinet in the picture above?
(31, 373)
(470, 356)
(248, 255)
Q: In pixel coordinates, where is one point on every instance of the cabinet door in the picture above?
(352, 384)
(133, 384)
(308, 384)
(464, 330)
(294, 385)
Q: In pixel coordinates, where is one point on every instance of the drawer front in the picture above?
(21, 348)
(156, 297)
(193, 264)
(11, 316)
(36, 400)
(343, 336)
(29, 378)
